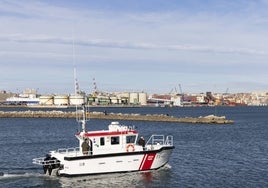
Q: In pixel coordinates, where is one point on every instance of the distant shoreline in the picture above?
(69, 106)
(109, 106)
(210, 119)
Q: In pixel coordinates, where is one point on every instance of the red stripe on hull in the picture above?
(147, 161)
(142, 161)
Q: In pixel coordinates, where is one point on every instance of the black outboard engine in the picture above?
(50, 163)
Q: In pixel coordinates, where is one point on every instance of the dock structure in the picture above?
(210, 119)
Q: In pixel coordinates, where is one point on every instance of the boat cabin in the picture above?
(117, 139)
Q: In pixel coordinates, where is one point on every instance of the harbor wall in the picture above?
(210, 119)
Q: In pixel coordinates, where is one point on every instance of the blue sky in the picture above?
(134, 45)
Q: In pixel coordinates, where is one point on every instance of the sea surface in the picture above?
(206, 155)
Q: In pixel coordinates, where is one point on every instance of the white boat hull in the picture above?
(115, 163)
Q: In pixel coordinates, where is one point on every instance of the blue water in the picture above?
(205, 155)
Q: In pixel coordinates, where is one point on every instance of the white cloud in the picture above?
(39, 39)
(163, 42)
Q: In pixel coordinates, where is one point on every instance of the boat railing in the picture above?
(169, 140)
(69, 151)
(44, 161)
(160, 140)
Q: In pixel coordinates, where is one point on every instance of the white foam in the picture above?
(8, 175)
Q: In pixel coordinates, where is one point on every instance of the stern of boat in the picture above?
(51, 165)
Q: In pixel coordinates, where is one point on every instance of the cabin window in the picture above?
(114, 140)
(130, 139)
(102, 143)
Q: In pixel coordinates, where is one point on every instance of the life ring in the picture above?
(130, 148)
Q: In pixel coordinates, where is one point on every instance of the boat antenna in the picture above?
(95, 87)
(76, 86)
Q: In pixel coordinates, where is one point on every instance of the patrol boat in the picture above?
(115, 150)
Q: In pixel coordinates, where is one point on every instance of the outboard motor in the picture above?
(50, 163)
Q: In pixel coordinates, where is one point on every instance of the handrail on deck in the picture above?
(68, 150)
(160, 140)
(169, 140)
(43, 161)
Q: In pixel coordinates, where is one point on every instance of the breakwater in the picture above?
(210, 119)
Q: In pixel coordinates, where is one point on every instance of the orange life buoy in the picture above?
(130, 147)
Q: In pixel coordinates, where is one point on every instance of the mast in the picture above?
(76, 86)
(83, 121)
(82, 116)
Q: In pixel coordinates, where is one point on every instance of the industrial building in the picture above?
(30, 98)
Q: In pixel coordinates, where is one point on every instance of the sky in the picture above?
(154, 46)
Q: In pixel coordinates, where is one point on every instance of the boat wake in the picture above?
(18, 175)
(136, 179)
(167, 166)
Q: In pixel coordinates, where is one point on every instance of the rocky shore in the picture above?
(210, 119)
